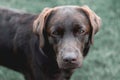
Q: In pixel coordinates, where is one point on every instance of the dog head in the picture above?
(70, 31)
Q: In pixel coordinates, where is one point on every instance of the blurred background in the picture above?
(103, 60)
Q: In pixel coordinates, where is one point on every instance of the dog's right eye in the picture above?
(57, 33)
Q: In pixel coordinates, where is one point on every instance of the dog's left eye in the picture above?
(78, 30)
(81, 31)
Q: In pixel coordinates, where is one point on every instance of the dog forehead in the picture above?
(73, 12)
(68, 14)
(66, 10)
(65, 16)
(67, 6)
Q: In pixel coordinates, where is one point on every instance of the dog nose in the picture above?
(70, 58)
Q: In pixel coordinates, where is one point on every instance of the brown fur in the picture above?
(48, 46)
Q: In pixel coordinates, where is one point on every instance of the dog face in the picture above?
(70, 31)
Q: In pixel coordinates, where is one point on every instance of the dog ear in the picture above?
(39, 24)
(95, 21)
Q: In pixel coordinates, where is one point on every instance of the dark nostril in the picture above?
(65, 60)
(73, 59)
(69, 59)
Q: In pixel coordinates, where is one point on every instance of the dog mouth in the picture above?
(69, 65)
(69, 59)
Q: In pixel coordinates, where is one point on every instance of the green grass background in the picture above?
(103, 60)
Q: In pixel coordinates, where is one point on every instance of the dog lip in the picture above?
(70, 66)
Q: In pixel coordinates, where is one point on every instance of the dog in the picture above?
(49, 45)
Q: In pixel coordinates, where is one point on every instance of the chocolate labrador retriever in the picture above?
(48, 46)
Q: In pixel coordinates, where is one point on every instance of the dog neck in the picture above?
(63, 75)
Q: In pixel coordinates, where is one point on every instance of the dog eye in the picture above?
(78, 30)
(56, 34)
(81, 31)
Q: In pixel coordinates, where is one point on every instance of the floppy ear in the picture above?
(39, 24)
(95, 20)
